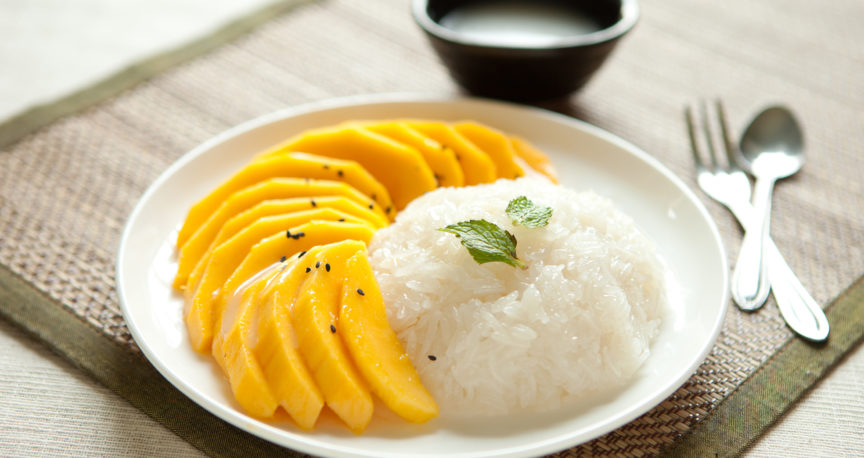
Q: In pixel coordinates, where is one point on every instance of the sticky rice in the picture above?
(492, 339)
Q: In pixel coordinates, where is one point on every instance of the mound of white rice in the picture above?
(579, 320)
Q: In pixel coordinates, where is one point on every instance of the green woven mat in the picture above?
(66, 189)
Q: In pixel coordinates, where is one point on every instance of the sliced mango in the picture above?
(281, 206)
(275, 346)
(291, 164)
(223, 275)
(400, 168)
(269, 208)
(534, 157)
(248, 383)
(253, 233)
(477, 167)
(495, 144)
(275, 188)
(315, 233)
(374, 347)
(442, 161)
(316, 314)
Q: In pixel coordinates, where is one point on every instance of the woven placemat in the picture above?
(66, 190)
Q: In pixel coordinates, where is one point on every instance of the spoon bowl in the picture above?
(773, 143)
(771, 148)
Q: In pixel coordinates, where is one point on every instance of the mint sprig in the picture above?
(523, 212)
(486, 242)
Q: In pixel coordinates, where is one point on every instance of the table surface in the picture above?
(48, 407)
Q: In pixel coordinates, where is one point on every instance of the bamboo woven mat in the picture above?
(66, 190)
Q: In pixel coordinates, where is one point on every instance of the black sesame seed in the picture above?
(371, 206)
(432, 357)
(298, 235)
(313, 203)
(340, 173)
(389, 209)
(283, 258)
(318, 264)
(327, 267)
(308, 269)
(301, 254)
(360, 292)
(341, 220)
(333, 329)
(288, 234)
(326, 166)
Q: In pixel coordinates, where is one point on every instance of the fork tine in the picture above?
(724, 131)
(694, 146)
(709, 136)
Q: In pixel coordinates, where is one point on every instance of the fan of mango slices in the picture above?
(274, 268)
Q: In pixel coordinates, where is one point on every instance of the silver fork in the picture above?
(730, 186)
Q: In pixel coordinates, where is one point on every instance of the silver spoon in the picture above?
(772, 148)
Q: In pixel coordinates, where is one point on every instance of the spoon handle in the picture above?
(800, 311)
(750, 286)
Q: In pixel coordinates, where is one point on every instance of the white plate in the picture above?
(585, 156)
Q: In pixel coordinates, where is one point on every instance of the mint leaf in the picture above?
(486, 242)
(523, 212)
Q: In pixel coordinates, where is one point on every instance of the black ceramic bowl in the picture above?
(526, 71)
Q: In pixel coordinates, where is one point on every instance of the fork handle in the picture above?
(750, 286)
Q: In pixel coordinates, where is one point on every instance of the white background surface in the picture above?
(47, 407)
(51, 47)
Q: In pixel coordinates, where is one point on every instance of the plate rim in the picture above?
(242, 421)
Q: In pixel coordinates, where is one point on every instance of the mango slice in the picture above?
(224, 274)
(477, 167)
(253, 233)
(442, 161)
(276, 346)
(374, 347)
(275, 188)
(248, 384)
(534, 157)
(316, 314)
(400, 168)
(292, 164)
(495, 144)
